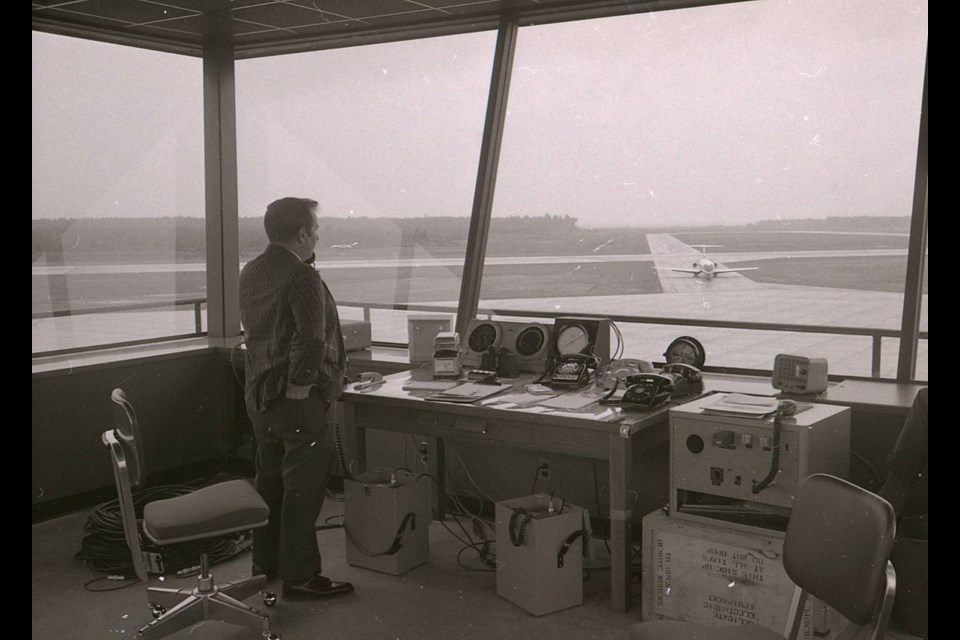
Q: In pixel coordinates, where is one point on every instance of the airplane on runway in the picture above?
(343, 246)
(705, 267)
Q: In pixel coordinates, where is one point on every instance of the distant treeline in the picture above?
(123, 240)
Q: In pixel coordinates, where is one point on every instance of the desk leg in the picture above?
(441, 471)
(358, 435)
(621, 472)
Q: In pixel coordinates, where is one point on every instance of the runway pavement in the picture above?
(729, 297)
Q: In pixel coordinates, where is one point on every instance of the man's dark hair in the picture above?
(286, 216)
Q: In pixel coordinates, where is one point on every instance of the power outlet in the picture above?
(545, 470)
(422, 450)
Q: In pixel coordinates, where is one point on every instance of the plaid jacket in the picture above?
(291, 329)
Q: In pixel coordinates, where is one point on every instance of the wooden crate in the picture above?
(713, 574)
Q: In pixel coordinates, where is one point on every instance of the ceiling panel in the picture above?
(263, 27)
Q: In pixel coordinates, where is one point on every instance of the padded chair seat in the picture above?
(218, 509)
(672, 630)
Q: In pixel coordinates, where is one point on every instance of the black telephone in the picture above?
(573, 370)
(687, 379)
(648, 390)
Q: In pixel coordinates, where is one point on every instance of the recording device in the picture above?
(799, 374)
(446, 355)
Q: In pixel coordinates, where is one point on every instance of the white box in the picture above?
(387, 523)
(421, 332)
(544, 572)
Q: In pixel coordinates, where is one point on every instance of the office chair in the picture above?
(836, 548)
(211, 511)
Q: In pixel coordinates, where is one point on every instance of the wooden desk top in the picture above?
(593, 416)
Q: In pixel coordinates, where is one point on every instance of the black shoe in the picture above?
(316, 587)
(258, 570)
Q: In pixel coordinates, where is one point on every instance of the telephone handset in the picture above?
(686, 371)
(573, 370)
(687, 379)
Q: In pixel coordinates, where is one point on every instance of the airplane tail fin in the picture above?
(703, 247)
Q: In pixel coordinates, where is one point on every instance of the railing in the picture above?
(876, 335)
(196, 303)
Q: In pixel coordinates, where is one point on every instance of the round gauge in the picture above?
(482, 337)
(685, 350)
(530, 340)
(573, 338)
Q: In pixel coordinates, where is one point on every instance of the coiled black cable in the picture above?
(104, 547)
(774, 458)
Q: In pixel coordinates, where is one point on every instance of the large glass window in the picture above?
(387, 138)
(118, 201)
(779, 137)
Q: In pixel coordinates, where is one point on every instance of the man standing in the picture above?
(295, 365)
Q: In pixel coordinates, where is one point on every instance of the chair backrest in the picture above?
(123, 440)
(127, 428)
(837, 548)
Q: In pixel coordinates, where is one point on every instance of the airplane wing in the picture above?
(681, 270)
(735, 270)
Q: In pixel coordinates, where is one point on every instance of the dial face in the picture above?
(482, 337)
(685, 350)
(530, 341)
(573, 339)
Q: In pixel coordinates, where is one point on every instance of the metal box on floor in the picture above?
(387, 520)
(712, 574)
(540, 553)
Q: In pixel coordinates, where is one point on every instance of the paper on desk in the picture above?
(607, 415)
(429, 385)
(522, 398)
(567, 401)
(742, 405)
(466, 393)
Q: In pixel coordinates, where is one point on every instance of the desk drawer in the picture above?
(388, 419)
(474, 428)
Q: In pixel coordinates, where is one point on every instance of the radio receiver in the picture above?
(799, 374)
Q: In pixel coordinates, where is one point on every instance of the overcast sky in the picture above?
(802, 108)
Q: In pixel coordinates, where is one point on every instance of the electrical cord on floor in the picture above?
(487, 558)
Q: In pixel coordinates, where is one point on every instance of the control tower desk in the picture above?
(584, 433)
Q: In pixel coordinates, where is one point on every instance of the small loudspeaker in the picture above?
(421, 332)
(799, 374)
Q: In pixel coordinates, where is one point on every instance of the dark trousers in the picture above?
(295, 456)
